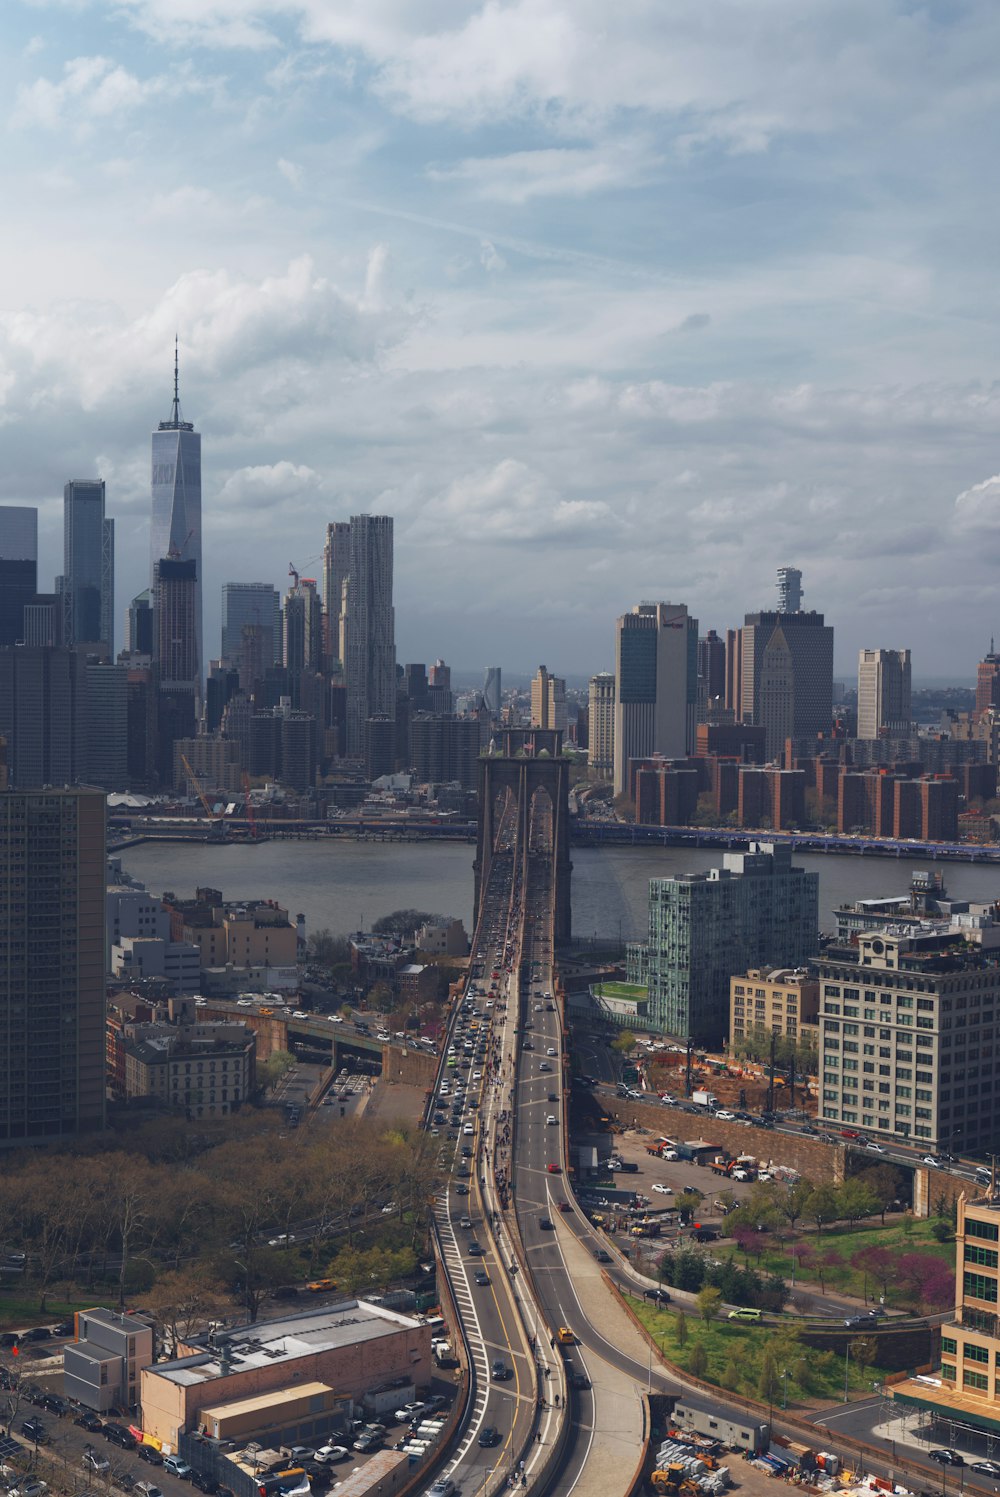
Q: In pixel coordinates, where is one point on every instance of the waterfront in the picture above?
(347, 885)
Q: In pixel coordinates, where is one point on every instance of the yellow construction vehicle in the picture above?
(672, 1481)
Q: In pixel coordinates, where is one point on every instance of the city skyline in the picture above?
(611, 331)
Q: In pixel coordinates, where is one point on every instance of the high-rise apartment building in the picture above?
(18, 568)
(789, 590)
(87, 583)
(601, 726)
(139, 625)
(711, 673)
(548, 700)
(175, 533)
(175, 590)
(656, 669)
(988, 683)
(909, 1027)
(787, 676)
(302, 627)
(336, 569)
(52, 907)
(42, 693)
(704, 928)
(883, 693)
(369, 628)
(255, 606)
(104, 730)
(492, 699)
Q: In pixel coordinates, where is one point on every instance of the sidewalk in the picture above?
(620, 1411)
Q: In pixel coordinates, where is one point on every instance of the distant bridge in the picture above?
(597, 833)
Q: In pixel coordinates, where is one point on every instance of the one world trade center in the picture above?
(175, 533)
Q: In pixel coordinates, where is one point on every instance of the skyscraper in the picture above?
(548, 700)
(369, 628)
(988, 682)
(52, 912)
(711, 671)
(176, 491)
(175, 595)
(492, 697)
(883, 693)
(787, 676)
(254, 605)
(656, 667)
(139, 625)
(789, 590)
(602, 724)
(302, 627)
(18, 568)
(88, 580)
(336, 568)
(41, 715)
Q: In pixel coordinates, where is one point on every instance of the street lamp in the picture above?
(784, 1388)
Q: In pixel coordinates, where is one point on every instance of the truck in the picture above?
(721, 1166)
(704, 1099)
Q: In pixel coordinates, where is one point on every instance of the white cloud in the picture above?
(557, 171)
(94, 90)
(292, 173)
(490, 257)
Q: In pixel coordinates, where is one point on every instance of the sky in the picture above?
(602, 302)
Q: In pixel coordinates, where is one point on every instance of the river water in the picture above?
(347, 885)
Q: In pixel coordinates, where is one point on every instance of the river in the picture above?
(347, 885)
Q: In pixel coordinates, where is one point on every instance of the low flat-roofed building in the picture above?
(351, 1346)
(258, 1416)
(104, 1364)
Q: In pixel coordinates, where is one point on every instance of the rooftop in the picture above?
(268, 1342)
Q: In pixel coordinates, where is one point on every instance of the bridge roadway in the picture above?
(490, 1313)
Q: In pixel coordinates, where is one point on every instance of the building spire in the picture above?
(176, 422)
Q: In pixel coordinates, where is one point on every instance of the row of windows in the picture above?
(986, 1257)
(978, 1286)
(988, 1231)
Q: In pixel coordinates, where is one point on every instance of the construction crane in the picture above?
(199, 792)
(249, 806)
(293, 573)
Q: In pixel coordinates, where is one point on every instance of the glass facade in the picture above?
(88, 580)
(176, 521)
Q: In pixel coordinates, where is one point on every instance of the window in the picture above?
(986, 1256)
(948, 1372)
(975, 1353)
(987, 1231)
(978, 1286)
(975, 1379)
(949, 1346)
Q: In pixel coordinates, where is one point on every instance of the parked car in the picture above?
(117, 1434)
(177, 1467)
(89, 1421)
(330, 1454)
(92, 1461)
(34, 1429)
(204, 1482)
(946, 1457)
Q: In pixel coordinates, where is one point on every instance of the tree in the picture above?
(324, 949)
(623, 1042)
(856, 1200)
(271, 1070)
(864, 1350)
(822, 1206)
(886, 1181)
(681, 1328)
(796, 1200)
(734, 1372)
(768, 1376)
(381, 997)
(709, 1303)
(402, 922)
(826, 1263)
(698, 1360)
(875, 1263)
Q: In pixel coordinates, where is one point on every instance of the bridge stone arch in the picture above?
(531, 759)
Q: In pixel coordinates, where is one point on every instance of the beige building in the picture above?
(909, 1037)
(251, 935)
(883, 693)
(215, 761)
(781, 1000)
(548, 700)
(208, 1070)
(351, 1347)
(966, 1389)
(602, 724)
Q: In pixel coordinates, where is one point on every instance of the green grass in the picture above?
(735, 1353)
(20, 1309)
(846, 1241)
(633, 990)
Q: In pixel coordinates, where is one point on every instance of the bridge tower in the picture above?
(530, 759)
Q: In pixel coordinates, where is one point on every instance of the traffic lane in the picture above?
(861, 1419)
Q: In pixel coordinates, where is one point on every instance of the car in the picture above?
(92, 1461)
(482, 1278)
(64, 1328)
(9, 1339)
(177, 1467)
(34, 1429)
(544, 1066)
(367, 1441)
(329, 1455)
(89, 1421)
(150, 1455)
(551, 1050)
(554, 1169)
(37, 1333)
(443, 1487)
(726, 1117)
(204, 1482)
(147, 1489)
(874, 1148)
(945, 1456)
(744, 1313)
(489, 1436)
(876, 1312)
(285, 1240)
(848, 1133)
(552, 1121)
(500, 1372)
(461, 1190)
(563, 1206)
(853, 1321)
(475, 1249)
(545, 1223)
(603, 1256)
(935, 1164)
(662, 1190)
(465, 1221)
(576, 1378)
(54, 1403)
(317, 1286)
(118, 1435)
(986, 1468)
(34, 1487)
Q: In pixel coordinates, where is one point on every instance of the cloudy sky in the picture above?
(602, 301)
